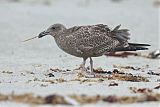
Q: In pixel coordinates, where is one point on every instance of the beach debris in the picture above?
(80, 75)
(153, 73)
(100, 76)
(157, 87)
(90, 80)
(61, 80)
(121, 54)
(127, 67)
(68, 70)
(99, 70)
(49, 81)
(30, 72)
(158, 80)
(58, 80)
(132, 99)
(51, 75)
(87, 80)
(129, 77)
(140, 90)
(124, 77)
(111, 99)
(85, 99)
(113, 84)
(154, 54)
(57, 70)
(116, 71)
(7, 72)
(43, 85)
(36, 79)
(151, 55)
(118, 75)
(55, 99)
(23, 74)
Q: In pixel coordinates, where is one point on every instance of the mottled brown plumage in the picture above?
(91, 41)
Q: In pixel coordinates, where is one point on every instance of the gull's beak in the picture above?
(44, 33)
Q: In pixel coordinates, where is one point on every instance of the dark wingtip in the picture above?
(147, 45)
(131, 48)
(141, 48)
(138, 44)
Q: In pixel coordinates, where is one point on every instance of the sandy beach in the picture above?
(39, 68)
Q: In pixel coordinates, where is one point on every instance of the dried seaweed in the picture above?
(57, 70)
(128, 78)
(84, 99)
(132, 99)
(157, 87)
(127, 67)
(140, 90)
(118, 75)
(151, 55)
(113, 84)
(7, 72)
(54, 99)
(50, 75)
(122, 54)
(153, 73)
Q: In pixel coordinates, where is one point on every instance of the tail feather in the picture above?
(137, 44)
(133, 47)
(121, 35)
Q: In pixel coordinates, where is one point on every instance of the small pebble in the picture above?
(51, 75)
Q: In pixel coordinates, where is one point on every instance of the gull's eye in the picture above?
(53, 28)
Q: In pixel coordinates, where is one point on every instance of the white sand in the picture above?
(21, 20)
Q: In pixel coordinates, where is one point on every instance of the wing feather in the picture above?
(98, 38)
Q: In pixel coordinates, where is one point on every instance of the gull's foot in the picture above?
(86, 72)
(82, 68)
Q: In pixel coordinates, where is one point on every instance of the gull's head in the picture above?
(53, 30)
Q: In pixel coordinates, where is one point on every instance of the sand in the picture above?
(25, 67)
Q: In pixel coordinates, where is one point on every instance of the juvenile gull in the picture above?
(91, 40)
